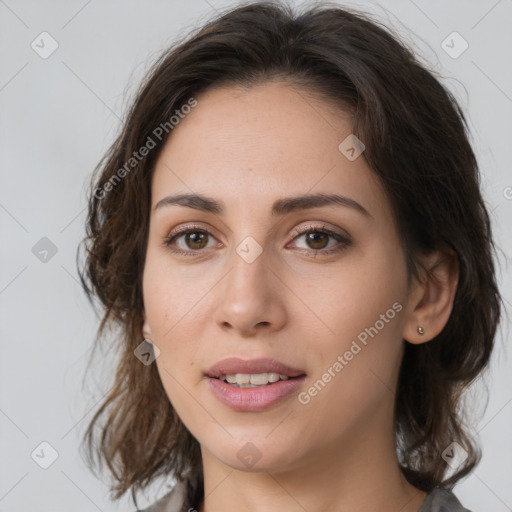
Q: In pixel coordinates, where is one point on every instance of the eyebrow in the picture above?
(280, 207)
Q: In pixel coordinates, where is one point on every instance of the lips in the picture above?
(235, 365)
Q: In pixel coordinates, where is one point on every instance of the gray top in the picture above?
(442, 500)
(438, 500)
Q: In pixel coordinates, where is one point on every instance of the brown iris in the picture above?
(314, 239)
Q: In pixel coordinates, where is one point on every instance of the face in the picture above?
(318, 287)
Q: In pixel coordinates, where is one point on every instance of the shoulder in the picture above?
(173, 501)
(442, 500)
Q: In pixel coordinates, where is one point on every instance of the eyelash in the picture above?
(344, 241)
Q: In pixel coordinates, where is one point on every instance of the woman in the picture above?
(290, 235)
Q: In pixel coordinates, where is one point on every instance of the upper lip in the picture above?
(233, 365)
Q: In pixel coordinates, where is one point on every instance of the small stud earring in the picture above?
(420, 330)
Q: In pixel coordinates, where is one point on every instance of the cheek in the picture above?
(352, 296)
(173, 296)
(361, 307)
(355, 374)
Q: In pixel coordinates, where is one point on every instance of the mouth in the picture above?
(253, 372)
(267, 383)
(254, 380)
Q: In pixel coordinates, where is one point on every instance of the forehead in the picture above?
(253, 146)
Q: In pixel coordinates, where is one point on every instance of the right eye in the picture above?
(188, 240)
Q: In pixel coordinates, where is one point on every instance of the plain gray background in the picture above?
(58, 116)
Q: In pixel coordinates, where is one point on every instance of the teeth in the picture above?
(259, 379)
(243, 378)
(246, 380)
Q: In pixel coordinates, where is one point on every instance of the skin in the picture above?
(248, 148)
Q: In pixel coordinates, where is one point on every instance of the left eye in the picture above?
(317, 239)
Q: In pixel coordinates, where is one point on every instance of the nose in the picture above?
(251, 300)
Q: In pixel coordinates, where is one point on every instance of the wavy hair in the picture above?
(417, 145)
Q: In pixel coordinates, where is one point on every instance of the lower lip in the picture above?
(254, 399)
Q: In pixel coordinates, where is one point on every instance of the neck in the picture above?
(361, 474)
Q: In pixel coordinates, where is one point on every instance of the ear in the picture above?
(430, 301)
(146, 331)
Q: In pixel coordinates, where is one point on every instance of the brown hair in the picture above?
(417, 145)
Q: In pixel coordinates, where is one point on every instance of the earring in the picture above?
(420, 330)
